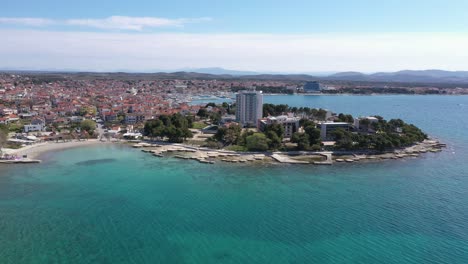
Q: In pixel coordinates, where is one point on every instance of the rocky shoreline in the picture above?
(211, 156)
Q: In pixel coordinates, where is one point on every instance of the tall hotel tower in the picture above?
(249, 107)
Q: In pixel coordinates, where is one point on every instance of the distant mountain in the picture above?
(409, 76)
(220, 71)
(347, 74)
(406, 76)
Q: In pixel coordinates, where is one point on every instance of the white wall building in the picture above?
(371, 119)
(289, 123)
(249, 107)
(32, 128)
(327, 127)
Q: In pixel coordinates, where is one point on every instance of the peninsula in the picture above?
(54, 111)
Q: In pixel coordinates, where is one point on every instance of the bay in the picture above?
(113, 204)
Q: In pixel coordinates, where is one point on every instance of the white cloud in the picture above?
(26, 21)
(113, 22)
(260, 52)
(133, 23)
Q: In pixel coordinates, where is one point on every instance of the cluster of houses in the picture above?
(40, 106)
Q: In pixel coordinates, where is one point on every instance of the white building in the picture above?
(370, 120)
(134, 118)
(76, 119)
(289, 123)
(327, 127)
(37, 124)
(32, 128)
(249, 107)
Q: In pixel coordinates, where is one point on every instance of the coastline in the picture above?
(211, 156)
(362, 94)
(37, 150)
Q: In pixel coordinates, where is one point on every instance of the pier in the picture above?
(21, 161)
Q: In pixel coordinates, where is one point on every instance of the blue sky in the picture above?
(308, 36)
(273, 16)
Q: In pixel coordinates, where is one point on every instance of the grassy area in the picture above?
(194, 142)
(309, 158)
(13, 146)
(16, 127)
(236, 148)
(198, 125)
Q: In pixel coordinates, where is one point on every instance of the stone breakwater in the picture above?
(20, 161)
(211, 156)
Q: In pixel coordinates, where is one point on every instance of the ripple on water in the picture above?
(94, 162)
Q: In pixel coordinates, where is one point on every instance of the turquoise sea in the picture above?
(113, 204)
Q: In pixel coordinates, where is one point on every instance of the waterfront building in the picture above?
(327, 127)
(134, 118)
(32, 128)
(289, 123)
(249, 107)
(312, 87)
(362, 123)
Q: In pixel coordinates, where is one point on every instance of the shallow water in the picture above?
(136, 208)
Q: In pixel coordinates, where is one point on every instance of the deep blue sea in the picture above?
(114, 204)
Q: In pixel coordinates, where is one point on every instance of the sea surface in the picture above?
(114, 204)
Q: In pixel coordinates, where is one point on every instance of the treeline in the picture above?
(312, 113)
(270, 139)
(309, 139)
(215, 116)
(173, 127)
(388, 135)
(3, 136)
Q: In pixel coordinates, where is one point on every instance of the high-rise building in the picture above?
(312, 87)
(249, 107)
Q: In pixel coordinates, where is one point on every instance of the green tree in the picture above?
(274, 133)
(82, 112)
(274, 110)
(257, 142)
(321, 114)
(314, 134)
(339, 134)
(345, 118)
(233, 134)
(220, 134)
(3, 135)
(278, 129)
(274, 142)
(243, 138)
(304, 122)
(301, 139)
(175, 128)
(215, 117)
(88, 126)
(203, 113)
(230, 135)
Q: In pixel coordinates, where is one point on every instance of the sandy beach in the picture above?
(36, 150)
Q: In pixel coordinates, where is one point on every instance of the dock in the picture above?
(21, 161)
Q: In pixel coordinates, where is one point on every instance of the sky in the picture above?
(266, 36)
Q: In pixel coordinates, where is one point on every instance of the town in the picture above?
(180, 111)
